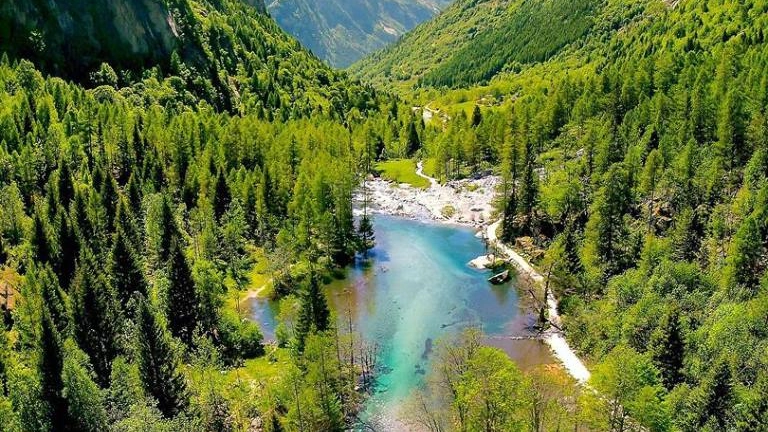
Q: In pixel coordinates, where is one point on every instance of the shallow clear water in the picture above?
(416, 288)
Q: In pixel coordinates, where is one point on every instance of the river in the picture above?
(415, 289)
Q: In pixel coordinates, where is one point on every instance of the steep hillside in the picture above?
(473, 40)
(69, 37)
(226, 52)
(343, 31)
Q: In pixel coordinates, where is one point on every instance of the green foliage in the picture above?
(84, 397)
(533, 31)
(158, 364)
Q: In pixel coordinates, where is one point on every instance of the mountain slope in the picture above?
(226, 52)
(472, 40)
(343, 31)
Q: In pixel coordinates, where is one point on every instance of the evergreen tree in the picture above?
(222, 197)
(477, 116)
(125, 269)
(50, 366)
(95, 315)
(366, 234)
(719, 397)
(182, 302)
(69, 249)
(606, 232)
(314, 315)
(84, 397)
(134, 193)
(169, 231)
(41, 246)
(158, 365)
(53, 297)
(413, 142)
(65, 188)
(668, 349)
(109, 200)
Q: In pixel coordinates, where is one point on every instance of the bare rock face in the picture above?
(72, 37)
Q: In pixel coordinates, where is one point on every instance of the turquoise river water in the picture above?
(415, 289)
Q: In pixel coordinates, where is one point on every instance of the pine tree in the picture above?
(314, 315)
(52, 295)
(133, 190)
(168, 229)
(182, 300)
(95, 315)
(158, 365)
(125, 269)
(84, 397)
(668, 349)
(366, 234)
(606, 232)
(69, 249)
(109, 200)
(41, 246)
(65, 188)
(414, 142)
(50, 366)
(477, 116)
(222, 197)
(720, 395)
(125, 221)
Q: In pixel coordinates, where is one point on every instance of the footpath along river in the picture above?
(415, 289)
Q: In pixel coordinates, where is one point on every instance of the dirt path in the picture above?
(554, 338)
(255, 293)
(420, 172)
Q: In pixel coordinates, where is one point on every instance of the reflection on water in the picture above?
(415, 289)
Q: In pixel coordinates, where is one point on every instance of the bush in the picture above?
(239, 338)
(448, 211)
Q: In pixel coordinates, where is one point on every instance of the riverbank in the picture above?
(553, 337)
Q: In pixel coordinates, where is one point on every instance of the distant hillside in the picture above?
(473, 40)
(343, 31)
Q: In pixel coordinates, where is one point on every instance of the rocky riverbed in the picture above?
(465, 202)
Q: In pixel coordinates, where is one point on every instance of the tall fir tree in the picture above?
(314, 315)
(50, 365)
(69, 249)
(158, 365)
(182, 300)
(125, 268)
(40, 242)
(96, 316)
(668, 349)
(222, 197)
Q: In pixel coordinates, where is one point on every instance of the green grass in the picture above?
(430, 167)
(402, 171)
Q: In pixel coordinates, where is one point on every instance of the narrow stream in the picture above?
(415, 289)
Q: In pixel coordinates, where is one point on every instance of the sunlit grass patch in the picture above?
(402, 171)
